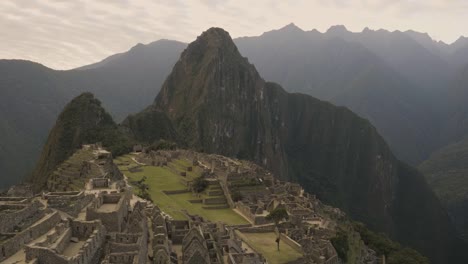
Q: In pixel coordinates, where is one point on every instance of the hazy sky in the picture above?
(64, 34)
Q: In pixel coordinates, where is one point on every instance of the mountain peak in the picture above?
(212, 60)
(82, 121)
(215, 37)
(291, 27)
(337, 29)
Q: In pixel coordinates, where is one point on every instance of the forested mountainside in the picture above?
(217, 103)
(82, 121)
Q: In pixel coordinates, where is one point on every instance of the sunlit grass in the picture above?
(161, 179)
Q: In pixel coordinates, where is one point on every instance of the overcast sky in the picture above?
(64, 34)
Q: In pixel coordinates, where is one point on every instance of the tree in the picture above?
(199, 184)
(276, 216)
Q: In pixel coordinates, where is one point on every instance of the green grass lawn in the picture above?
(265, 244)
(161, 179)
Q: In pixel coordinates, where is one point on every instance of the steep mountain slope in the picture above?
(336, 66)
(218, 103)
(455, 126)
(32, 96)
(82, 121)
(30, 99)
(447, 169)
(447, 173)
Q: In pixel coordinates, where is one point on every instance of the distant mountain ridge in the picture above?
(217, 102)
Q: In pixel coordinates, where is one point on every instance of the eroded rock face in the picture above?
(218, 103)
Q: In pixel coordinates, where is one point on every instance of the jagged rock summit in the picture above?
(217, 103)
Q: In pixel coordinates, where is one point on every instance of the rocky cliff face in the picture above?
(218, 103)
(82, 121)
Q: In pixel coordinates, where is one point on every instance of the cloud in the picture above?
(64, 34)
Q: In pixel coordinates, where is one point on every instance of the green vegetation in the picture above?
(162, 144)
(160, 179)
(199, 184)
(277, 215)
(83, 121)
(341, 244)
(142, 188)
(395, 253)
(66, 171)
(265, 244)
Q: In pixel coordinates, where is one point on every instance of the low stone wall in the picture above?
(291, 243)
(10, 219)
(45, 255)
(214, 200)
(20, 200)
(15, 243)
(215, 193)
(216, 207)
(258, 229)
(111, 198)
(86, 254)
(196, 201)
(84, 229)
(122, 257)
(176, 191)
(240, 226)
(72, 207)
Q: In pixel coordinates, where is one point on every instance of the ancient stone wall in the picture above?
(100, 182)
(11, 215)
(84, 229)
(287, 240)
(16, 200)
(86, 255)
(112, 220)
(122, 258)
(69, 203)
(44, 255)
(214, 200)
(16, 242)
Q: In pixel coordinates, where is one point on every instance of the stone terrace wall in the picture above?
(14, 244)
(291, 243)
(87, 254)
(44, 255)
(9, 220)
(18, 200)
(84, 229)
(70, 204)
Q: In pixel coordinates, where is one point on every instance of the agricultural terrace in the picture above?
(168, 178)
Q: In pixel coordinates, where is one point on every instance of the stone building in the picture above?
(112, 209)
(194, 248)
(23, 223)
(130, 244)
(70, 242)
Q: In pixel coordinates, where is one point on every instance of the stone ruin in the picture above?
(71, 242)
(104, 223)
(111, 208)
(21, 223)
